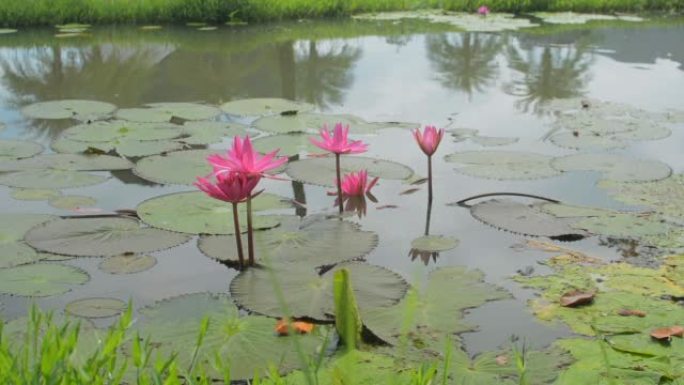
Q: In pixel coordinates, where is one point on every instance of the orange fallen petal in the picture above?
(281, 327)
(303, 327)
(665, 334)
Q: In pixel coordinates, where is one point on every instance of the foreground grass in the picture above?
(50, 12)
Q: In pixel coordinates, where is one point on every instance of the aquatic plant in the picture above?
(483, 10)
(338, 143)
(428, 141)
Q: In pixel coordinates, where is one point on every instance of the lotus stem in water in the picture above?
(238, 238)
(250, 233)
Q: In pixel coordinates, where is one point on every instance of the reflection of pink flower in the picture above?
(429, 139)
(338, 143)
(483, 10)
(356, 184)
(230, 187)
(242, 158)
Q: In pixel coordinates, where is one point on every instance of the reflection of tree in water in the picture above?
(464, 61)
(323, 71)
(547, 73)
(103, 72)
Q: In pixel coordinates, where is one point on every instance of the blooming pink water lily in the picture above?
(356, 184)
(230, 187)
(338, 142)
(483, 10)
(429, 139)
(242, 158)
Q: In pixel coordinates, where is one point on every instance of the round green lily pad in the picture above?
(562, 210)
(40, 279)
(509, 215)
(135, 148)
(570, 17)
(65, 109)
(179, 167)
(31, 194)
(196, 213)
(17, 253)
(310, 295)
(204, 132)
(614, 167)
(100, 237)
(121, 130)
(323, 242)
(50, 179)
(248, 345)
(264, 106)
(65, 145)
(163, 112)
(72, 162)
(13, 251)
(287, 144)
(587, 141)
(321, 171)
(71, 202)
(665, 196)
(434, 243)
(17, 149)
(624, 225)
(308, 122)
(504, 165)
(127, 264)
(492, 141)
(96, 307)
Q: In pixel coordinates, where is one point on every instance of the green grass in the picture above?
(50, 12)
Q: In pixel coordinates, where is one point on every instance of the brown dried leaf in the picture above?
(632, 312)
(666, 333)
(383, 207)
(502, 360)
(577, 298)
(409, 191)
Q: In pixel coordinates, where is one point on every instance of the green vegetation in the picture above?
(51, 12)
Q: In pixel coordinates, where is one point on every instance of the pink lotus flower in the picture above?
(242, 158)
(429, 139)
(230, 187)
(483, 10)
(338, 143)
(356, 184)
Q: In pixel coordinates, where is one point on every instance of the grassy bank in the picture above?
(49, 12)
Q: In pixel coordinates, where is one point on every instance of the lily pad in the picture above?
(65, 109)
(127, 264)
(96, 307)
(584, 142)
(504, 165)
(30, 194)
(201, 132)
(71, 202)
(320, 243)
(570, 17)
(491, 141)
(71, 162)
(65, 145)
(310, 295)
(13, 251)
(434, 243)
(665, 196)
(427, 315)
(493, 22)
(624, 225)
(523, 219)
(50, 179)
(312, 123)
(247, 344)
(120, 130)
(614, 167)
(40, 279)
(134, 148)
(178, 167)
(264, 106)
(6, 31)
(100, 237)
(197, 213)
(563, 210)
(321, 171)
(17, 149)
(288, 144)
(163, 112)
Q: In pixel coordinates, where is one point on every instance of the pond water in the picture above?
(496, 83)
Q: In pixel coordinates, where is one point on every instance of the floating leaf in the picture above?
(665, 196)
(100, 237)
(302, 123)
(127, 264)
(163, 112)
(523, 219)
(434, 243)
(65, 109)
(197, 213)
(624, 225)
(584, 141)
(321, 243)
(31, 194)
(71, 202)
(133, 148)
(310, 295)
(96, 307)
(577, 298)
(504, 165)
(121, 130)
(614, 167)
(13, 251)
(288, 144)
(67, 146)
(570, 17)
(201, 132)
(321, 171)
(6, 31)
(50, 179)
(70, 162)
(667, 333)
(17, 149)
(40, 279)
(491, 141)
(179, 167)
(428, 314)
(264, 106)
(247, 345)
(494, 22)
(562, 210)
